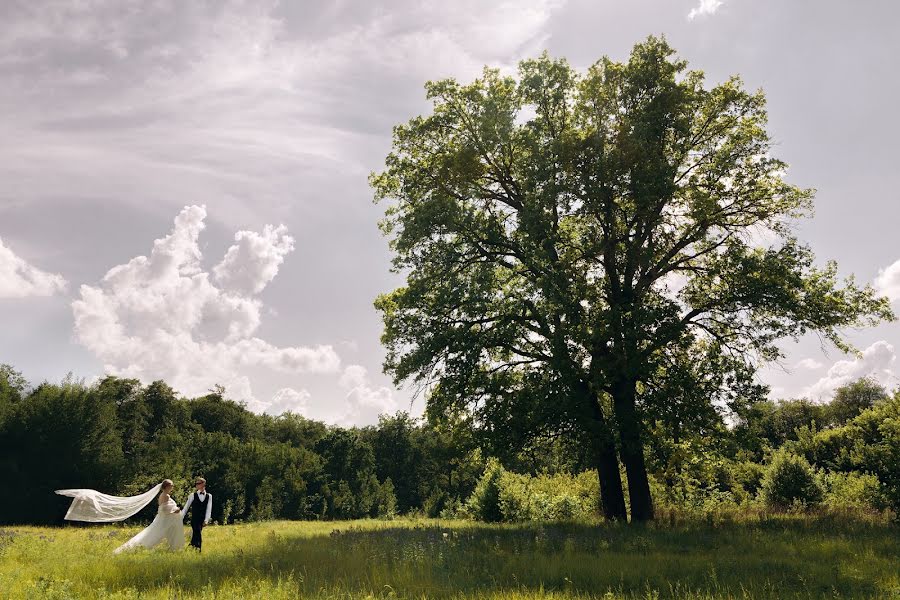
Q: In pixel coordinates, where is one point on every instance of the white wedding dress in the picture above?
(167, 526)
(95, 507)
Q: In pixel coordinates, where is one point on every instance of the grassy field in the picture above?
(784, 557)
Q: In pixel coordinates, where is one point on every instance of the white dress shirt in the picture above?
(208, 505)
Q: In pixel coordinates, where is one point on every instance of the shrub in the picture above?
(505, 496)
(385, 504)
(453, 509)
(869, 443)
(853, 490)
(484, 503)
(790, 480)
(434, 503)
(749, 475)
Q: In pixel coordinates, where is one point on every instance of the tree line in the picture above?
(122, 437)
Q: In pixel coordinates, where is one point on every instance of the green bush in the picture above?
(385, 505)
(434, 503)
(748, 475)
(453, 509)
(560, 497)
(869, 443)
(790, 480)
(511, 497)
(484, 503)
(853, 490)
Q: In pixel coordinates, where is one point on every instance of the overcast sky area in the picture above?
(184, 184)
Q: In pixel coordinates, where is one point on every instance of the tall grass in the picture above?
(789, 556)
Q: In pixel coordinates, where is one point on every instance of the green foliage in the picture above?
(789, 481)
(484, 503)
(121, 437)
(502, 495)
(559, 497)
(532, 218)
(852, 399)
(385, 501)
(853, 491)
(768, 425)
(749, 476)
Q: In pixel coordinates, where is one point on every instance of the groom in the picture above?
(201, 501)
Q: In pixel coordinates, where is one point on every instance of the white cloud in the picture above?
(284, 400)
(251, 263)
(809, 364)
(876, 361)
(704, 7)
(365, 402)
(18, 279)
(235, 101)
(888, 281)
(160, 317)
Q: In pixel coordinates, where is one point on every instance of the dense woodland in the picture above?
(123, 437)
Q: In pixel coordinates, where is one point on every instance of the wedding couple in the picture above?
(94, 507)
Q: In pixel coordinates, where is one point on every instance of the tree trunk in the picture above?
(612, 496)
(632, 450)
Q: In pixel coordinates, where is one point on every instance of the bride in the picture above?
(94, 507)
(166, 526)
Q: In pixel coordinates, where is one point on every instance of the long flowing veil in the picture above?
(94, 507)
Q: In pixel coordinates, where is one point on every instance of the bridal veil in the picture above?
(94, 507)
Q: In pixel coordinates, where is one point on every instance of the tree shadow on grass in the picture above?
(438, 561)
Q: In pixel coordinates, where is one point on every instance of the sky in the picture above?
(184, 184)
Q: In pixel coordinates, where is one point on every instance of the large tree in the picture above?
(565, 236)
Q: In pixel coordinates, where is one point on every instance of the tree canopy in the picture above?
(581, 249)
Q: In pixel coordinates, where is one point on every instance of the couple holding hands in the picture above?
(94, 507)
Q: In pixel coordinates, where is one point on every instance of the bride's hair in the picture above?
(167, 483)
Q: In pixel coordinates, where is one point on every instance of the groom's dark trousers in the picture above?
(198, 515)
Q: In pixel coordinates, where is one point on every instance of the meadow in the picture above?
(763, 556)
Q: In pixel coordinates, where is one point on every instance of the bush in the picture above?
(853, 490)
(505, 496)
(749, 475)
(385, 504)
(434, 504)
(484, 503)
(453, 509)
(790, 480)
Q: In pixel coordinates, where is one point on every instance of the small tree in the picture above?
(789, 480)
(385, 505)
(484, 503)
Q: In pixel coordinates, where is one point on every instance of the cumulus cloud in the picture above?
(162, 317)
(253, 261)
(809, 364)
(18, 279)
(888, 281)
(365, 402)
(876, 361)
(284, 400)
(704, 7)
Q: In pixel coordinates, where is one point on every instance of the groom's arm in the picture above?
(187, 505)
(208, 507)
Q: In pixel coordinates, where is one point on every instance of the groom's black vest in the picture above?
(198, 510)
